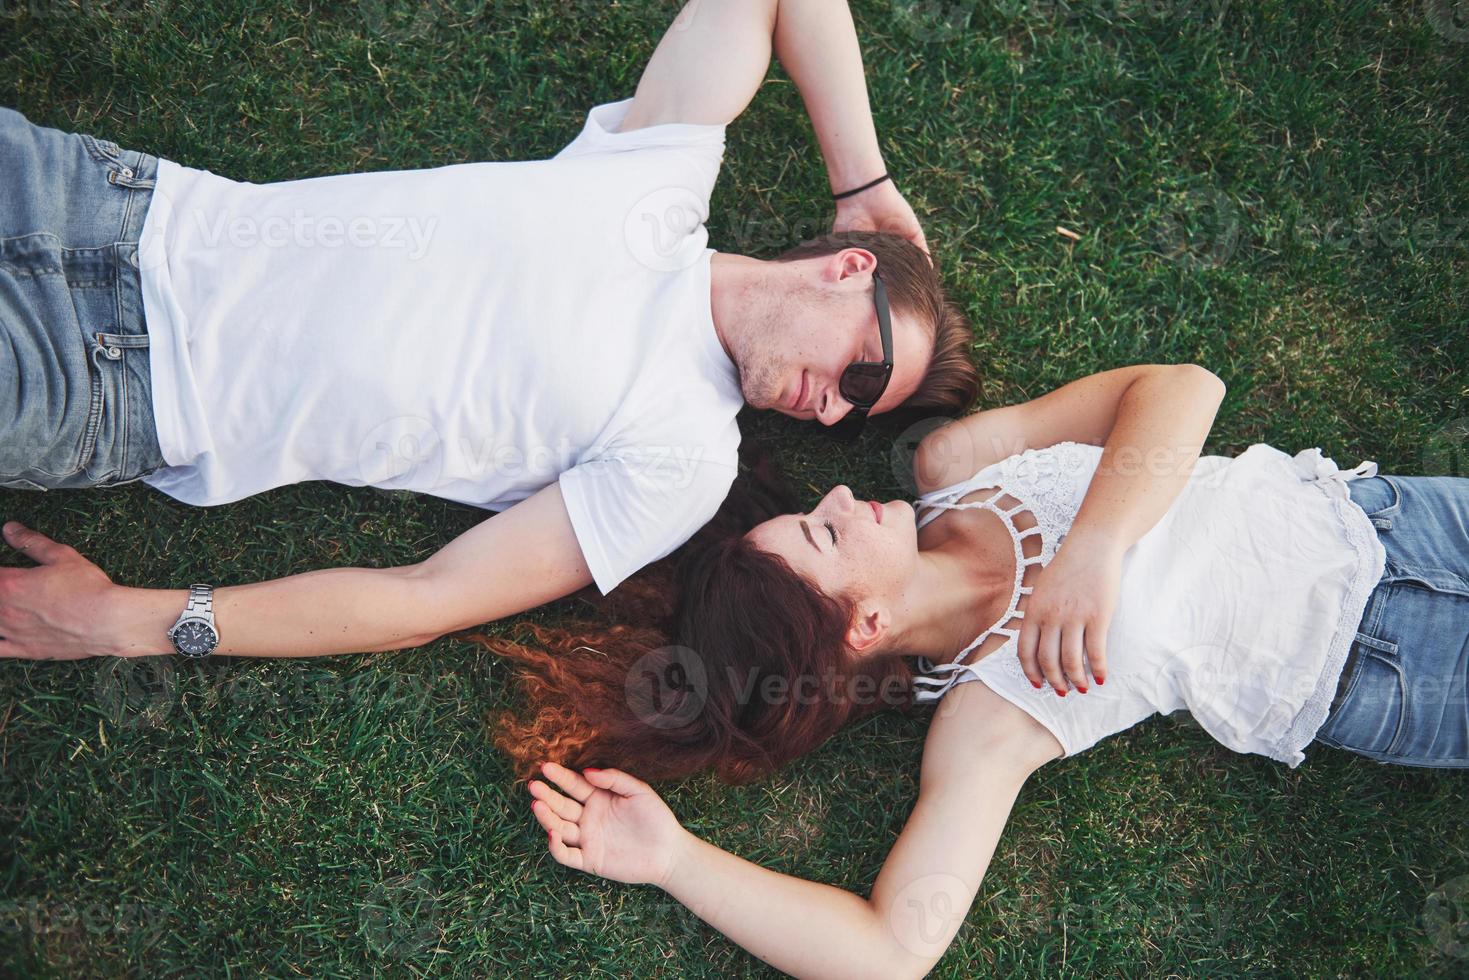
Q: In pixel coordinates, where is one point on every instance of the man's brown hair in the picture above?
(952, 382)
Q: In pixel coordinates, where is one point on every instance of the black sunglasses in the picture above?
(863, 382)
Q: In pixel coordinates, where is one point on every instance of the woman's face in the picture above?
(858, 549)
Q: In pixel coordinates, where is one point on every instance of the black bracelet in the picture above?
(864, 187)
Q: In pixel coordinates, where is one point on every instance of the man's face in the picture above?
(795, 363)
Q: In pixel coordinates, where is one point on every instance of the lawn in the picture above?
(1279, 191)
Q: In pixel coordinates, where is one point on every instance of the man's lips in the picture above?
(800, 398)
(876, 510)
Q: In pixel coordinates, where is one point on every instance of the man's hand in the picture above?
(714, 57)
(1067, 616)
(52, 611)
(882, 208)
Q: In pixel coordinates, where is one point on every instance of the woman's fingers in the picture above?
(619, 782)
(1071, 656)
(564, 854)
(564, 807)
(1049, 655)
(1096, 650)
(1025, 649)
(567, 830)
(570, 781)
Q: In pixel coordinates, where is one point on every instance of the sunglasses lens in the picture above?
(863, 384)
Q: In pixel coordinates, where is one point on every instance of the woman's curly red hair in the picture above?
(717, 657)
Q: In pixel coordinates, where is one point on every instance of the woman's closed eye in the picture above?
(831, 530)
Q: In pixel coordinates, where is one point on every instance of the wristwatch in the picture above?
(194, 634)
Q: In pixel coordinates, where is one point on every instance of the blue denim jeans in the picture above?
(76, 403)
(1404, 694)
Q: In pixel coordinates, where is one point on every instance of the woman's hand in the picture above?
(1066, 617)
(52, 611)
(881, 208)
(608, 823)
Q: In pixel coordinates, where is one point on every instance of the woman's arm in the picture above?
(1152, 420)
(714, 57)
(980, 750)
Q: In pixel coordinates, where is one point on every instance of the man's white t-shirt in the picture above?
(475, 332)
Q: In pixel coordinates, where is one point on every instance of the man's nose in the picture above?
(831, 408)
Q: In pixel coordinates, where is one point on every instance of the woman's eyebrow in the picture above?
(806, 530)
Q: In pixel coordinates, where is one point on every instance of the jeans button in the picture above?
(133, 259)
(114, 353)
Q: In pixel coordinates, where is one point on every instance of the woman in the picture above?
(1277, 598)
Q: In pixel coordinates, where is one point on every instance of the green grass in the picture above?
(1277, 190)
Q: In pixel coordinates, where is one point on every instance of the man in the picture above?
(550, 339)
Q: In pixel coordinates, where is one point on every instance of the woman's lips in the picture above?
(877, 510)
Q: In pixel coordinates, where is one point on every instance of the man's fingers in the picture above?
(33, 544)
(570, 781)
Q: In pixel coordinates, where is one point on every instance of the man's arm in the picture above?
(523, 557)
(714, 57)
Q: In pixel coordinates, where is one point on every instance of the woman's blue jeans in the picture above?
(1404, 694)
(76, 406)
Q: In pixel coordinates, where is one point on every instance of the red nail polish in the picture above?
(1100, 682)
(1060, 692)
(1081, 689)
(1036, 685)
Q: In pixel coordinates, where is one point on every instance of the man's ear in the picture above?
(850, 262)
(868, 629)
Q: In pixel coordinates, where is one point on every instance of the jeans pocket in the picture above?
(1372, 716)
(49, 435)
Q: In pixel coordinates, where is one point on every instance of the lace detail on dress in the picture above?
(1370, 559)
(1048, 483)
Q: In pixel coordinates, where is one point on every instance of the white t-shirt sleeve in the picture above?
(631, 509)
(702, 145)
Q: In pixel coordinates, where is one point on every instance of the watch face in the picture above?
(194, 638)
